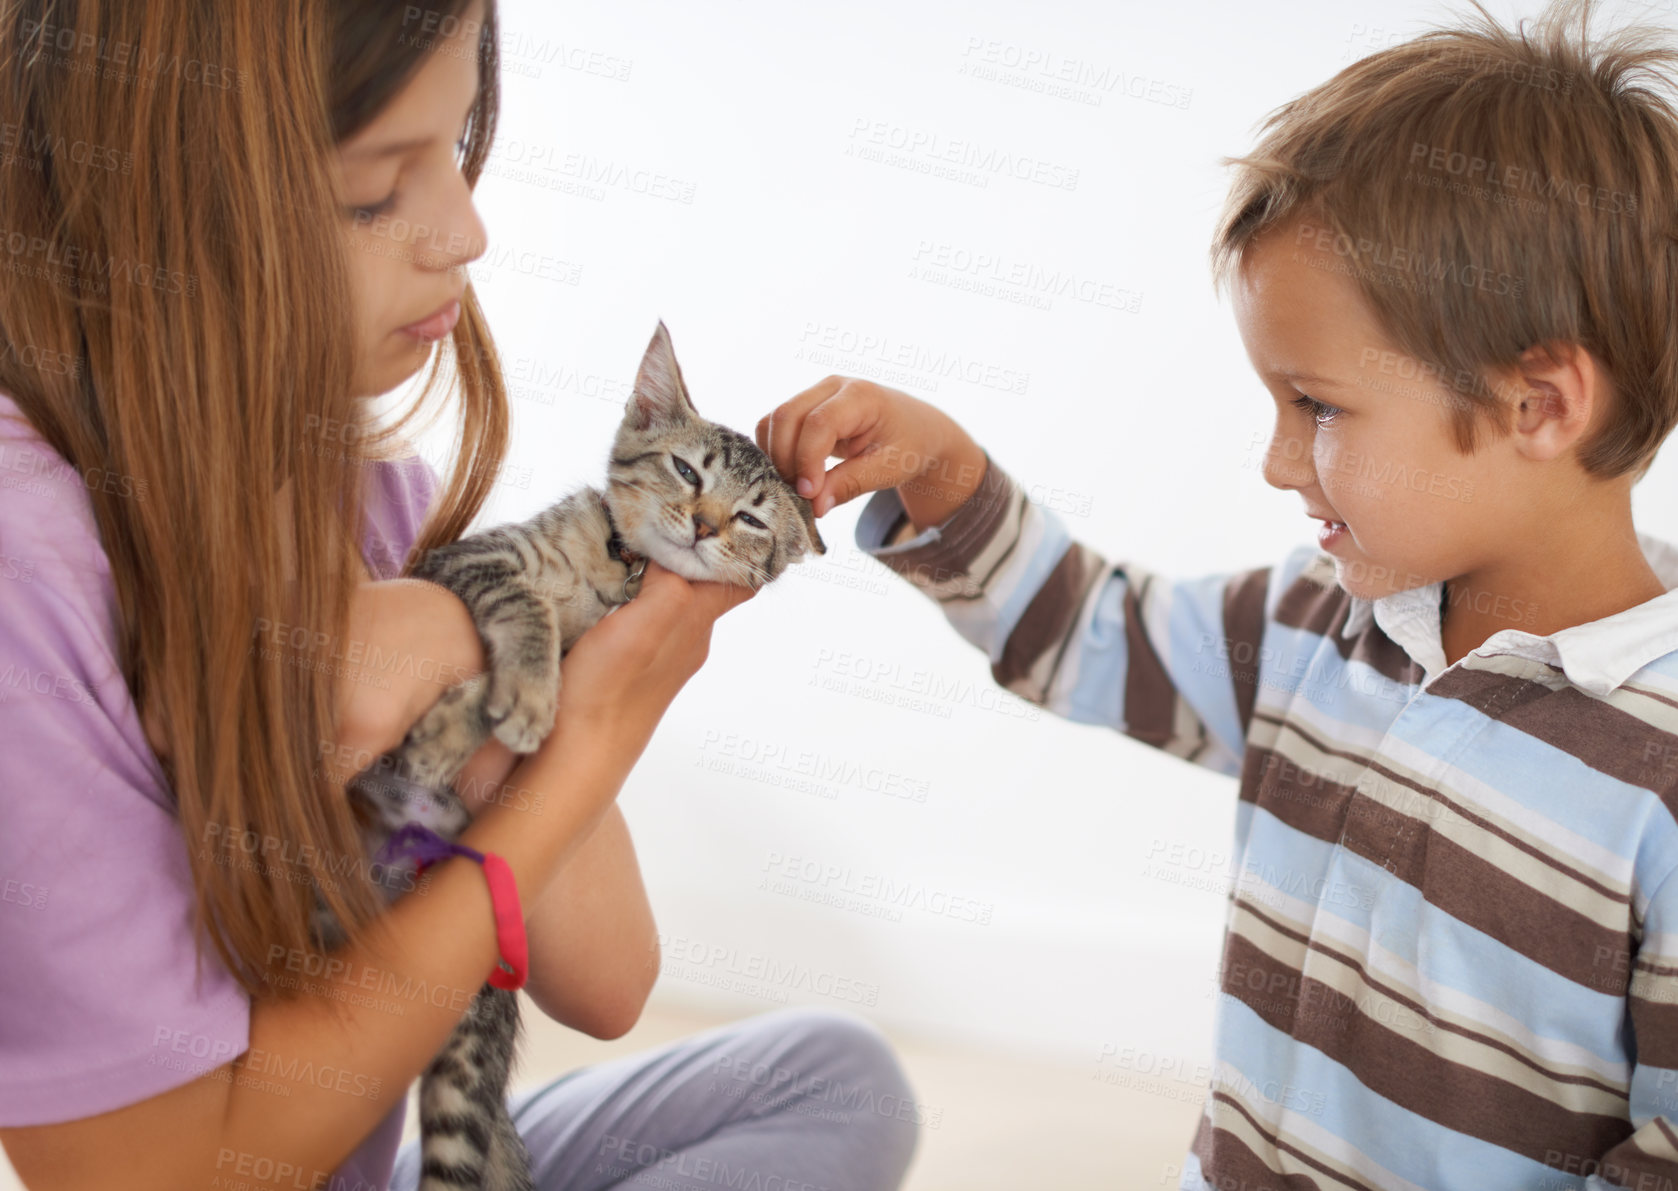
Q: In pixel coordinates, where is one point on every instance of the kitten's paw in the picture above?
(443, 740)
(432, 763)
(523, 734)
(522, 715)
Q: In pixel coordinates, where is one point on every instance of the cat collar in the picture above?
(619, 552)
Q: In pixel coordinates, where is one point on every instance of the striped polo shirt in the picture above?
(1450, 956)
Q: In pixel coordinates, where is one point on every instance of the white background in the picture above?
(705, 164)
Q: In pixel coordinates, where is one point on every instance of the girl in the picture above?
(225, 235)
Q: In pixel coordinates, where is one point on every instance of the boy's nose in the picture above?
(1287, 462)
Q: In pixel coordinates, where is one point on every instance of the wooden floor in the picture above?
(1004, 1124)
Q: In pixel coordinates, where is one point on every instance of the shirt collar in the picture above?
(1597, 656)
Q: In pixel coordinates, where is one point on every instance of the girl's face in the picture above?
(411, 225)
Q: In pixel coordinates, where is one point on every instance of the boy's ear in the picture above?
(660, 396)
(1552, 396)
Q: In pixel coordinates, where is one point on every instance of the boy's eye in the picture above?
(682, 469)
(751, 520)
(1320, 413)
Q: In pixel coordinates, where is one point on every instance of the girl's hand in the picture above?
(887, 438)
(622, 674)
(617, 680)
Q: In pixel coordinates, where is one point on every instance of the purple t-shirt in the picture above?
(98, 1006)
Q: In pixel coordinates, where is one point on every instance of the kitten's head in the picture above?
(697, 497)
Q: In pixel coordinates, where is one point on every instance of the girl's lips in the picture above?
(429, 330)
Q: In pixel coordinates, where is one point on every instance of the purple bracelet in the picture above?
(420, 843)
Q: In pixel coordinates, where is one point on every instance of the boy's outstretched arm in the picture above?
(1174, 664)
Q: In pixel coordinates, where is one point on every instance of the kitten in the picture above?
(697, 497)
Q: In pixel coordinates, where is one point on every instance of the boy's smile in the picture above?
(1364, 435)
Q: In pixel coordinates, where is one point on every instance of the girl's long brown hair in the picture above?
(173, 228)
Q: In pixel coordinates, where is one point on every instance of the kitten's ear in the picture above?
(659, 395)
(807, 511)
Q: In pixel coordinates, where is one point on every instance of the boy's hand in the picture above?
(888, 439)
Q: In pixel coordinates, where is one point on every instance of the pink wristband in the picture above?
(428, 847)
(509, 925)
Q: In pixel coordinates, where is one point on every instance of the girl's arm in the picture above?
(322, 1071)
(593, 942)
(594, 950)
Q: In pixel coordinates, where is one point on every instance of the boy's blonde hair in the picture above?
(1490, 190)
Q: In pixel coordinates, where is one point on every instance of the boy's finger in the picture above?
(854, 478)
(842, 418)
(786, 423)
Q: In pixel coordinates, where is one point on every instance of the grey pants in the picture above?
(792, 1100)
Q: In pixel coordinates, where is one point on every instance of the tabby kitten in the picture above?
(699, 498)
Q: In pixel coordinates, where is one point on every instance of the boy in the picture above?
(1450, 960)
